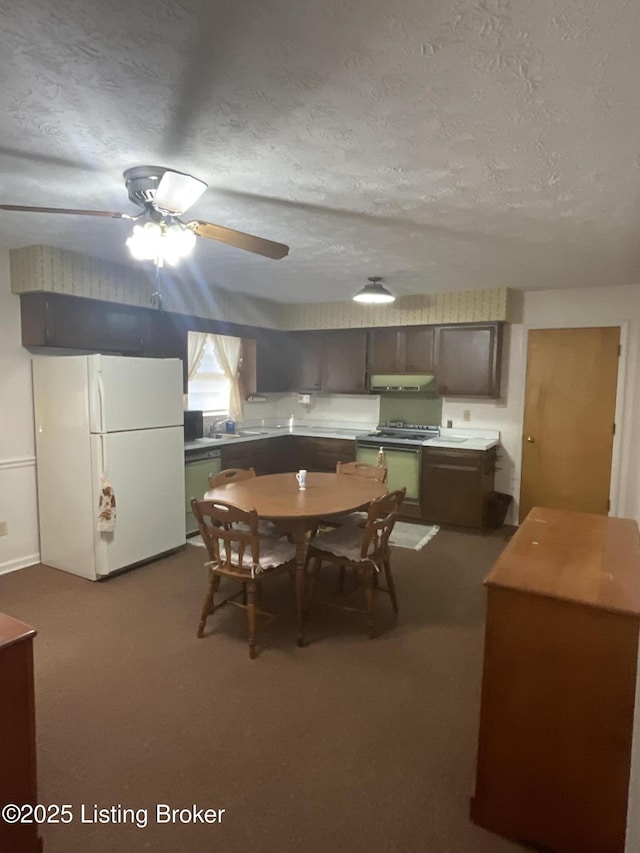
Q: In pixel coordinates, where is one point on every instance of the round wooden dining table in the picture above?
(279, 498)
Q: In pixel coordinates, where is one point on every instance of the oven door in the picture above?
(403, 466)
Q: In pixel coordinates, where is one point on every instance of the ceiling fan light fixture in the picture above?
(374, 293)
(161, 243)
(177, 192)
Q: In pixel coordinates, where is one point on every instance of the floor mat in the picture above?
(413, 536)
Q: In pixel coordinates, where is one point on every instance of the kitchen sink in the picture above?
(218, 435)
(253, 432)
(446, 439)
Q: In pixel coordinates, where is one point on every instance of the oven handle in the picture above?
(390, 447)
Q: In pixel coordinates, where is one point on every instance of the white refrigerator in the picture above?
(117, 418)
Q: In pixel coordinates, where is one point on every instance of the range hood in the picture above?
(417, 384)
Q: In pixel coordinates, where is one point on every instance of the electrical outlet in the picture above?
(3, 528)
(466, 415)
(449, 424)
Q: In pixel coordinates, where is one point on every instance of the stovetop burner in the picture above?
(400, 432)
(401, 426)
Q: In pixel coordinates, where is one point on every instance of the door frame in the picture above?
(616, 487)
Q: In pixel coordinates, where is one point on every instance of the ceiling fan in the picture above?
(164, 195)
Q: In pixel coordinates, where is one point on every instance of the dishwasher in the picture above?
(198, 465)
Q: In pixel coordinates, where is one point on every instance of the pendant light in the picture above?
(374, 293)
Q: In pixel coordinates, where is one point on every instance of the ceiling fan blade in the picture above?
(240, 240)
(177, 191)
(25, 209)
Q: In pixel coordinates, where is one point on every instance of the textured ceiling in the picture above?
(442, 145)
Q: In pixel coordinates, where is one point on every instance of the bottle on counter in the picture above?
(381, 463)
(230, 426)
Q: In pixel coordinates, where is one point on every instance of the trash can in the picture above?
(499, 504)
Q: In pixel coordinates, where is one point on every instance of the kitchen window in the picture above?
(213, 373)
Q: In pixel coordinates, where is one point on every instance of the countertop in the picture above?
(459, 439)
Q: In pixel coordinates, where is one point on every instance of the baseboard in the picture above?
(19, 563)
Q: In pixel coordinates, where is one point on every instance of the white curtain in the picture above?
(195, 350)
(228, 350)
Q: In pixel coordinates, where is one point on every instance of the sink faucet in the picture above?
(217, 424)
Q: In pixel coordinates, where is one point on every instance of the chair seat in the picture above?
(273, 552)
(343, 541)
(347, 544)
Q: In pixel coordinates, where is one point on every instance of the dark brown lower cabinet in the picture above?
(288, 453)
(323, 454)
(266, 455)
(457, 486)
(17, 733)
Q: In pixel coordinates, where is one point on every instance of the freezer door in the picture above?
(146, 471)
(134, 393)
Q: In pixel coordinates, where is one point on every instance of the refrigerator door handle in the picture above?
(100, 387)
(103, 455)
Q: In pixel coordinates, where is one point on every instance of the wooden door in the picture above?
(569, 411)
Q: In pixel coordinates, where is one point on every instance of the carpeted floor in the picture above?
(347, 744)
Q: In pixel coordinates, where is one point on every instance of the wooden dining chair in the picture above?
(363, 469)
(355, 469)
(230, 475)
(237, 475)
(238, 551)
(365, 550)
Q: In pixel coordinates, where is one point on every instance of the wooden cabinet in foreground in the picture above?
(559, 683)
(468, 359)
(17, 733)
(457, 486)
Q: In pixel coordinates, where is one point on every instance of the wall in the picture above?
(356, 409)
(18, 504)
(555, 309)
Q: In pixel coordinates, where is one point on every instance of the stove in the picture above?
(398, 433)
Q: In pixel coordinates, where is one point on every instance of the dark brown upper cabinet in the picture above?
(59, 320)
(332, 361)
(305, 360)
(263, 364)
(402, 349)
(344, 362)
(467, 359)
